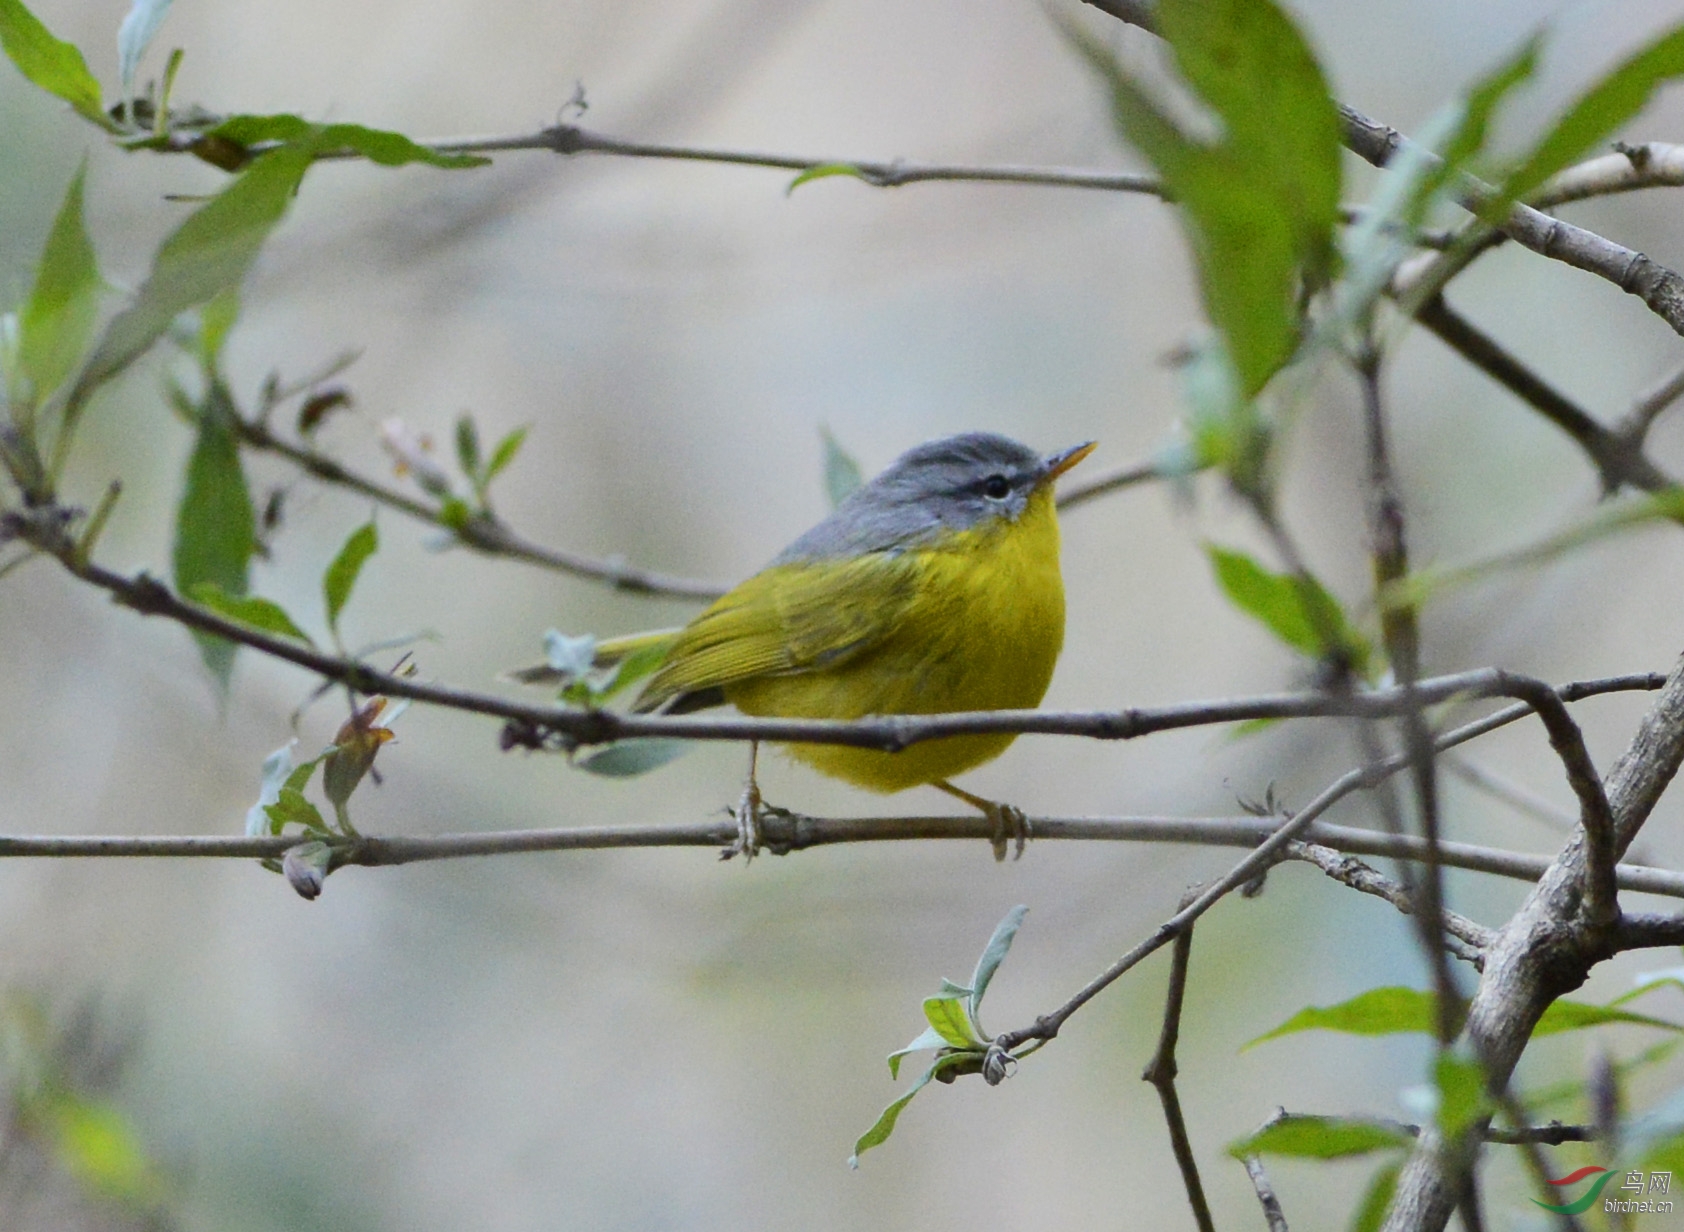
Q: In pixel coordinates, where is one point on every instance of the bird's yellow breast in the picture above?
(980, 628)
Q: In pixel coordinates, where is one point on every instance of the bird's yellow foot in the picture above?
(1011, 825)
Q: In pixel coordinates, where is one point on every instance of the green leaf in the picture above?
(1260, 201)
(1371, 1212)
(885, 1125)
(56, 66)
(98, 1146)
(1317, 1137)
(215, 529)
(626, 759)
(1416, 179)
(841, 470)
(208, 253)
(948, 1017)
(1603, 108)
(292, 808)
(642, 662)
(824, 171)
(1299, 611)
(467, 448)
(504, 453)
(342, 573)
(262, 614)
(1563, 1015)
(1379, 1011)
(931, 1038)
(1461, 1093)
(216, 322)
(134, 36)
(999, 945)
(380, 146)
(58, 318)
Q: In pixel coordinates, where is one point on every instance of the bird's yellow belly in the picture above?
(983, 633)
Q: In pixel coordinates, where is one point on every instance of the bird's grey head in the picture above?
(948, 485)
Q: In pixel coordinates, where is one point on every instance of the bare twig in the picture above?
(1647, 931)
(483, 532)
(1649, 406)
(1272, 1213)
(1161, 1071)
(1654, 164)
(1081, 493)
(1463, 938)
(785, 832)
(1618, 457)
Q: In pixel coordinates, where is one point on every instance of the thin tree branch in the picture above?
(1126, 477)
(483, 532)
(1272, 1213)
(1653, 164)
(1649, 407)
(1462, 937)
(1546, 949)
(889, 733)
(1618, 457)
(1648, 931)
(786, 832)
(1161, 1071)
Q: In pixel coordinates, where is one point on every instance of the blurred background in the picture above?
(654, 1039)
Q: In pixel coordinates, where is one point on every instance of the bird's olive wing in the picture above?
(789, 618)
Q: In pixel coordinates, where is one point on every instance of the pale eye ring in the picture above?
(996, 487)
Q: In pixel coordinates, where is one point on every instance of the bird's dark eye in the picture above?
(996, 487)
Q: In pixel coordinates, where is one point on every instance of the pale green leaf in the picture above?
(380, 146)
(1298, 611)
(999, 945)
(842, 474)
(1371, 1211)
(931, 1038)
(58, 317)
(626, 759)
(1564, 1015)
(134, 36)
(207, 254)
(504, 453)
(823, 172)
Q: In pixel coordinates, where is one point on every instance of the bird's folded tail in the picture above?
(608, 652)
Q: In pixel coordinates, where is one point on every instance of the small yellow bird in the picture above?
(933, 588)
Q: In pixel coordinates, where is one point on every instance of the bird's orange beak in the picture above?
(1060, 462)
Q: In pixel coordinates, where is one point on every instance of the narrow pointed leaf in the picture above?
(1315, 1137)
(841, 470)
(629, 758)
(931, 1038)
(215, 528)
(1608, 104)
(885, 1125)
(208, 253)
(58, 318)
(345, 568)
(134, 36)
(52, 64)
(250, 610)
(1379, 1011)
(504, 453)
(1564, 1015)
(999, 945)
(1300, 612)
(380, 146)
